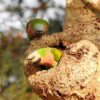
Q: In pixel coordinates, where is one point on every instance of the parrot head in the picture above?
(49, 57)
(36, 28)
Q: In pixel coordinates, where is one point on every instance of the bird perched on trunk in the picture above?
(49, 57)
(36, 28)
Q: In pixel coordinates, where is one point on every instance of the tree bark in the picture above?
(62, 82)
(82, 22)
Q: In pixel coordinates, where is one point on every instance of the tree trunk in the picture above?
(77, 76)
(82, 22)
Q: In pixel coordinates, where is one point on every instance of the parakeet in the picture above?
(36, 28)
(49, 57)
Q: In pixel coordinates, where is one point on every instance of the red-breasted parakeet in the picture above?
(49, 57)
(36, 28)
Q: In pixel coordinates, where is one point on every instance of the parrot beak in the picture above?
(34, 58)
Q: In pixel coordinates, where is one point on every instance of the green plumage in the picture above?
(36, 28)
(57, 54)
(49, 56)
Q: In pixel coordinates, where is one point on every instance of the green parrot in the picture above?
(49, 57)
(36, 28)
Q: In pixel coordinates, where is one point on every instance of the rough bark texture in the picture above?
(82, 22)
(77, 77)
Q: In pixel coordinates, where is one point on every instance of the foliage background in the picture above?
(14, 15)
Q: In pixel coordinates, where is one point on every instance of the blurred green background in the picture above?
(14, 15)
